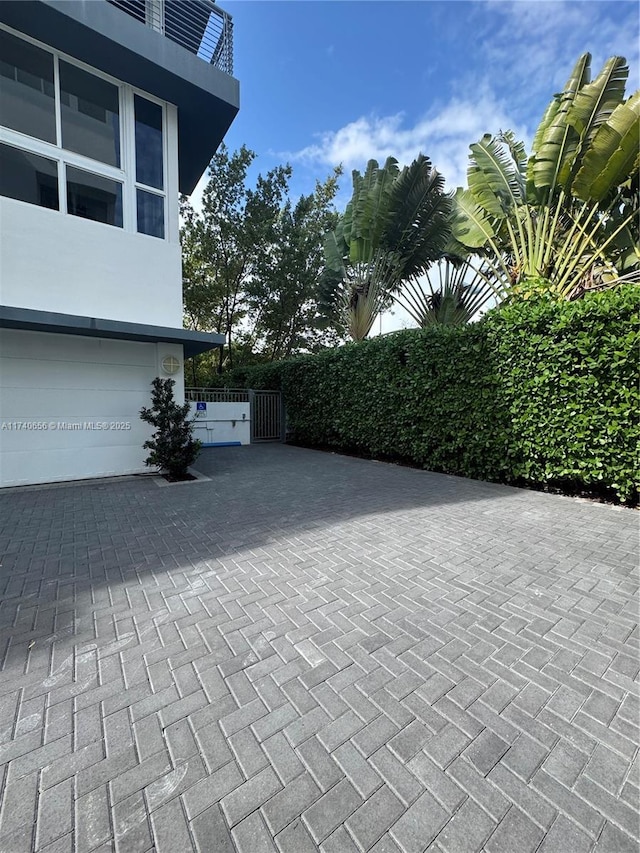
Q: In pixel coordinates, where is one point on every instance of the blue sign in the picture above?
(201, 407)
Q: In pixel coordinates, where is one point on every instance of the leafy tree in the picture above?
(393, 229)
(561, 219)
(224, 244)
(282, 295)
(172, 445)
(251, 261)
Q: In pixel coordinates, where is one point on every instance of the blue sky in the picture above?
(324, 82)
(342, 81)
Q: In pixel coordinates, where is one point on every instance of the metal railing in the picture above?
(197, 25)
(216, 395)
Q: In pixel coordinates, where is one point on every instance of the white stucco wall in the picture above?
(222, 423)
(63, 379)
(50, 261)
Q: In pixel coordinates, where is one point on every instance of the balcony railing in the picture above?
(197, 25)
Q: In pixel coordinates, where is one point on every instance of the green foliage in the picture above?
(570, 380)
(172, 445)
(223, 245)
(565, 214)
(393, 229)
(282, 294)
(519, 241)
(263, 377)
(539, 392)
(570, 126)
(251, 260)
(454, 298)
(613, 154)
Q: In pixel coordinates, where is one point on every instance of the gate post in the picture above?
(252, 414)
(283, 420)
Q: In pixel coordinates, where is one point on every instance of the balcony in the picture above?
(200, 26)
(179, 51)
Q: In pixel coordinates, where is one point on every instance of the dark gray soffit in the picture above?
(27, 319)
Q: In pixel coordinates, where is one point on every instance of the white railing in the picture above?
(197, 25)
(216, 395)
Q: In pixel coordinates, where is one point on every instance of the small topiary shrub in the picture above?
(173, 447)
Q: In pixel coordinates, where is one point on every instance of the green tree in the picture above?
(395, 226)
(282, 295)
(561, 219)
(251, 262)
(223, 245)
(172, 445)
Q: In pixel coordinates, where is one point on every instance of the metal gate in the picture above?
(267, 417)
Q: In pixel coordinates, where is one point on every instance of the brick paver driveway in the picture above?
(316, 652)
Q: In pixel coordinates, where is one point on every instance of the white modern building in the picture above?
(108, 109)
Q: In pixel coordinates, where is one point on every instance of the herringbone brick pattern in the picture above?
(311, 652)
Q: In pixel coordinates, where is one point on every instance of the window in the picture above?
(90, 115)
(28, 177)
(149, 167)
(63, 132)
(149, 156)
(27, 92)
(150, 208)
(94, 197)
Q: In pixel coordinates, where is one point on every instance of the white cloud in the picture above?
(444, 134)
(538, 41)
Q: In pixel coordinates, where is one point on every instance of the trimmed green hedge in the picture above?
(539, 393)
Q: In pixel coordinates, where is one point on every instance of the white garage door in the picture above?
(69, 406)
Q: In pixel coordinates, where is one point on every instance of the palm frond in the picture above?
(366, 294)
(591, 108)
(460, 292)
(595, 101)
(518, 153)
(473, 230)
(546, 122)
(494, 179)
(419, 217)
(557, 142)
(613, 154)
(370, 208)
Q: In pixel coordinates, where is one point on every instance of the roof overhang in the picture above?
(28, 319)
(108, 39)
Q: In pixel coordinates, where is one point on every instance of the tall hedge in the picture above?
(538, 392)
